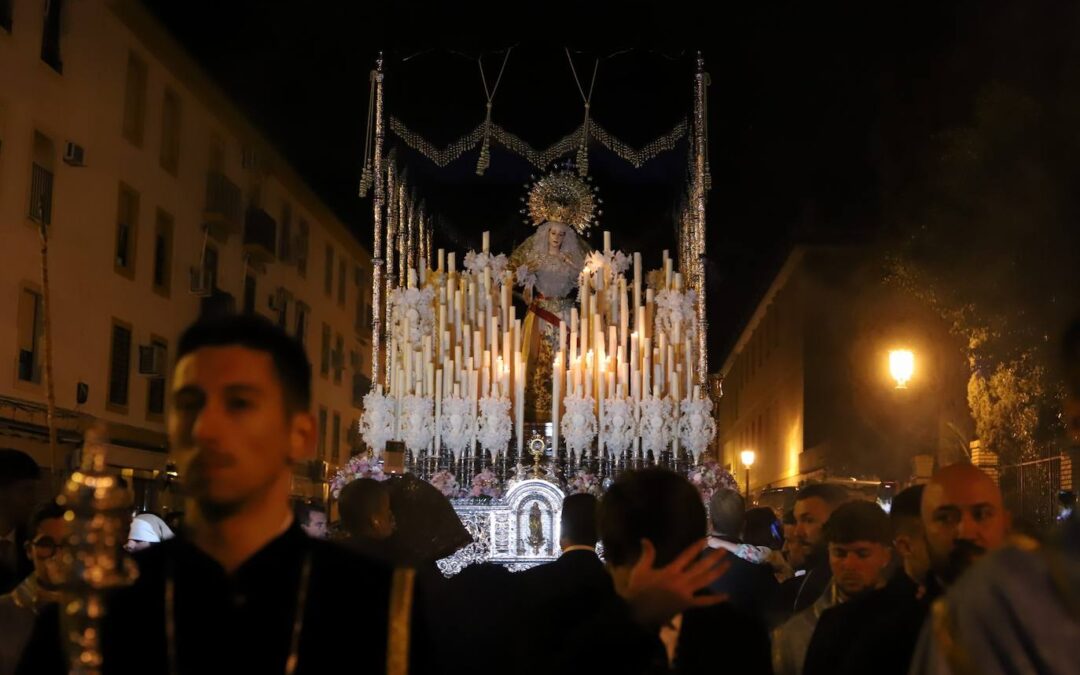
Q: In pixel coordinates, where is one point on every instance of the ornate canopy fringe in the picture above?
(540, 159)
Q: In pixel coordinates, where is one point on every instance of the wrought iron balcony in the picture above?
(260, 236)
(223, 213)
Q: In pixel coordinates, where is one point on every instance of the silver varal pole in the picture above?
(700, 83)
(99, 510)
(380, 199)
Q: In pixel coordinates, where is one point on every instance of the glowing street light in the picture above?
(901, 366)
(748, 458)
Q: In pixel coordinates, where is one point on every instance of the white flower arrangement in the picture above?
(697, 428)
(578, 424)
(377, 420)
(478, 262)
(525, 277)
(417, 422)
(617, 425)
(676, 308)
(611, 265)
(655, 423)
(413, 312)
(456, 424)
(495, 427)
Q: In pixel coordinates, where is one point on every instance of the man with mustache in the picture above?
(857, 537)
(1018, 611)
(964, 518)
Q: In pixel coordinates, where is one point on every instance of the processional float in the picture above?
(605, 370)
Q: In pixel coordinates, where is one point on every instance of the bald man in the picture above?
(964, 518)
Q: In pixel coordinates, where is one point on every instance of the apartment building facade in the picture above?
(161, 203)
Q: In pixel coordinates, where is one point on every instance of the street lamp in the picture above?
(901, 366)
(748, 457)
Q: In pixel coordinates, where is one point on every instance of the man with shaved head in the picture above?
(1017, 610)
(964, 518)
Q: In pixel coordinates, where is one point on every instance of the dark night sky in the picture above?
(810, 103)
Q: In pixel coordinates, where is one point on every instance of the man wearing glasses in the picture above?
(20, 607)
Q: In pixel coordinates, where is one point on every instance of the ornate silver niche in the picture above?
(518, 530)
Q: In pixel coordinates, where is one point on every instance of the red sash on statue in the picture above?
(539, 311)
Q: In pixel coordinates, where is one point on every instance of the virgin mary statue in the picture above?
(547, 265)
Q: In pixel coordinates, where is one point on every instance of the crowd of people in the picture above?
(255, 583)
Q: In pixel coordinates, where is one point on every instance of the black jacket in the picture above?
(715, 639)
(242, 622)
(11, 577)
(873, 634)
(798, 593)
(749, 586)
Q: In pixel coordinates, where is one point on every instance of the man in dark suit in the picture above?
(554, 595)
(652, 525)
(750, 586)
(19, 474)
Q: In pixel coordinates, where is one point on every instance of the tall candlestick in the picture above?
(637, 286)
(624, 315)
(555, 404)
(438, 403)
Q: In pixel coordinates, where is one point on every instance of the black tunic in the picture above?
(242, 622)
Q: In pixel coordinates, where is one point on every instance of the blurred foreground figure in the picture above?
(19, 608)
(1018, 611)
(244, 589)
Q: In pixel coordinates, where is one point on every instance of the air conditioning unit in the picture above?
(74, 154)
(151, 360)
(202, 282)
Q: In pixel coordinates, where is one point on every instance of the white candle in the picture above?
(442, 259)
(650, 311)
(507, 354)
(451, 262)
(637, 284)
(486, 238)
(607, 242)
(519, 397)
(555, 402)
(624, 314)
(438, 405)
